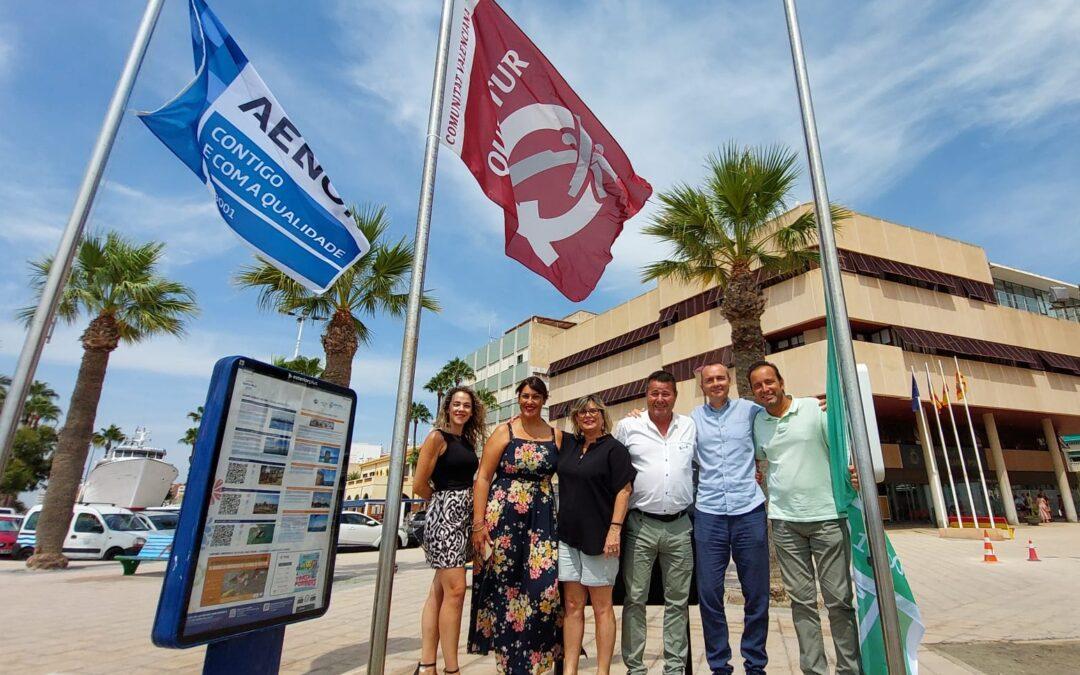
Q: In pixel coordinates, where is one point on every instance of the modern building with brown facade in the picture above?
(914, 298)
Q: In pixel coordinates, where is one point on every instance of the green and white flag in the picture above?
(848, 500)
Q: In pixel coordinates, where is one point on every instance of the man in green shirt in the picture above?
(808, 532)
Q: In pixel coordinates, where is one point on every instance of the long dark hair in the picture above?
(475, 428)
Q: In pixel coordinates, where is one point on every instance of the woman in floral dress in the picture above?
(516, 608)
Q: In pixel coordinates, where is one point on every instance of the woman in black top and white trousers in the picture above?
(444, 476)
(595, 479)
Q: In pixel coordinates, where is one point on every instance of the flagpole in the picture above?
(37, 334)
(959, 448)
(384, 579)
(834, 293)
(935, 477)
(974, 443)
(944, 450)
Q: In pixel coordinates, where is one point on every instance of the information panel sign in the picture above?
(257, 534)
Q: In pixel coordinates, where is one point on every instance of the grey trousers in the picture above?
(822, 546)
(646, 540)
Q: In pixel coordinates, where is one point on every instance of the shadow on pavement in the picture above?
(345, 659)
(1015, 658)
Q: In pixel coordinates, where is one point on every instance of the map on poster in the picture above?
(270, 513)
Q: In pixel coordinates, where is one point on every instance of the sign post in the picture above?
(256, 542)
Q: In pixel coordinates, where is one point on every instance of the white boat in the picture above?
(133, 474)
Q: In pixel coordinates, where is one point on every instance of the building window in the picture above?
(1032, 300)
(780, 344)
(878, 337)
(521, 358)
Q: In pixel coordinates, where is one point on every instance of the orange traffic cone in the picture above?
(988, 549)
(1033, 556)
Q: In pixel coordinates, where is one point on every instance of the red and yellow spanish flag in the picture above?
(961, 385)
(943, 402)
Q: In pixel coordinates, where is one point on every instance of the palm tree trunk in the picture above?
(99, 340)
(742, 306)
(340, 344)
(415, 424)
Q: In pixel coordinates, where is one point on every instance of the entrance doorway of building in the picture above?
(909, 502)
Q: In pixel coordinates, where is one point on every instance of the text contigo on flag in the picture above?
(269, 188)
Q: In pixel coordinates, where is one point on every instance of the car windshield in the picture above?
(125, 522)
(31, 521)
(8, 526)
(164, 521)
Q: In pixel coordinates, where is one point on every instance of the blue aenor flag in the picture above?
(229, 129)
(914, 394)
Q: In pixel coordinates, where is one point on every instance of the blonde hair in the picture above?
(580, 404)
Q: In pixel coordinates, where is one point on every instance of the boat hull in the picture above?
(132, 482)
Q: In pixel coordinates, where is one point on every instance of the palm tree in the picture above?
(312, 367)
(375, 284)
(193, 432)
(114, 282)
(458, 371)
(40, 405)
(104, 438)
(439, 383)
(729, 234)
(418, 414)
(488, 398)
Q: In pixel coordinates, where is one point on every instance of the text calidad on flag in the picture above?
(228, 128)
(565, 185)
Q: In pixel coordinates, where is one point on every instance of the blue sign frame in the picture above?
(172, 610)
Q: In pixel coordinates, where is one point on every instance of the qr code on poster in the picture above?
(230, 504)
(222, 535)
(236, 473)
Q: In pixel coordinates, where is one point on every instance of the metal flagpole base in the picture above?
(257, 653)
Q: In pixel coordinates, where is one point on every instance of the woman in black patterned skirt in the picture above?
(444, 476)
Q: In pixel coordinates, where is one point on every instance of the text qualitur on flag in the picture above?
(565, 185)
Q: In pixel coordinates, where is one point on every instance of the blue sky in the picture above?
(960, 118)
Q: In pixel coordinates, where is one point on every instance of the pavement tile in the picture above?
(65, 618)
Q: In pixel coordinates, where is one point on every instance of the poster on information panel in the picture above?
(270, 484)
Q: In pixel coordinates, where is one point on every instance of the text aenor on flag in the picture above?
(270, 189)
(565, 185)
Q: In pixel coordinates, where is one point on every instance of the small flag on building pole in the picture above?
(961, 395)
(263, 176)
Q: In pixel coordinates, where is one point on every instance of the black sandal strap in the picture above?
(455, 670)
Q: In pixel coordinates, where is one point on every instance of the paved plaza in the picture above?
(1015, 616)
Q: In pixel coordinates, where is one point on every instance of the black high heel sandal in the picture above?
(423, 665)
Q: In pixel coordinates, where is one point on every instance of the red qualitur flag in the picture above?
(537, 151)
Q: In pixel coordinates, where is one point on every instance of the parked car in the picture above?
(9, 534)
(163, 519)
(7, 511)
(358, 529)
(414, 527)
(96, 532)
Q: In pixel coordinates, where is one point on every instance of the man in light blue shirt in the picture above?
(729, 522)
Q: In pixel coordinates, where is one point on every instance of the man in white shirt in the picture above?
(661, 446)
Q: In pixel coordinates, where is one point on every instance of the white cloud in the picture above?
(190, 226)
(190, 357)
(892, 83)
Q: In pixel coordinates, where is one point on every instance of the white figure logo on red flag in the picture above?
(565, 185)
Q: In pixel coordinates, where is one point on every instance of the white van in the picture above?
(97, 532)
